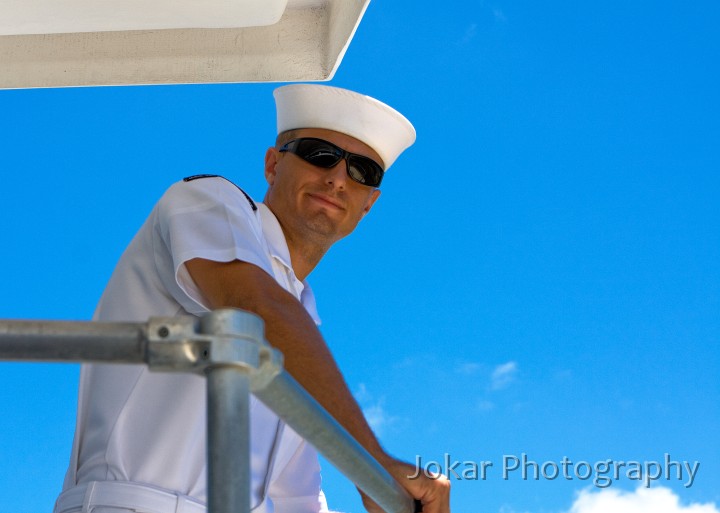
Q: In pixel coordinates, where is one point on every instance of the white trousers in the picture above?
(122, 497)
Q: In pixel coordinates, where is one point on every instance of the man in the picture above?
(140, 437)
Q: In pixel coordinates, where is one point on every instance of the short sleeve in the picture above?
(208, 218)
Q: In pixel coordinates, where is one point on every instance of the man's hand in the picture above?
(434, 494)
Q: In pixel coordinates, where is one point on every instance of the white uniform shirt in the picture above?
(144, 427)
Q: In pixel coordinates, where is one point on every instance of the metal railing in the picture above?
(228, 347)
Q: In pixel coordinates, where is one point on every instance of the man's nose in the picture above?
(337, 175)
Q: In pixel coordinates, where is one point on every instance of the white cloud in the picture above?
(503, 375)
(362, 394)
(378, 418)
(373, 409)
(642, 500)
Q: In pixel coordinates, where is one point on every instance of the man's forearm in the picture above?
(308, 359)
(289, 328)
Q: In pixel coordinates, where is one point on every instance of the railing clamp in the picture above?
(188, 344)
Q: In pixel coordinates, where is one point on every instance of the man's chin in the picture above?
(322, 224)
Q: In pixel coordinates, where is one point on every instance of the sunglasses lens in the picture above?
(318, 153)
(364, 171)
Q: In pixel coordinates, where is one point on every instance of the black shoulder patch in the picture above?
(197, 177)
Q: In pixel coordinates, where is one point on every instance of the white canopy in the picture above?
(56, 43)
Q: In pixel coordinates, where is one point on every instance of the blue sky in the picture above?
(540, 275)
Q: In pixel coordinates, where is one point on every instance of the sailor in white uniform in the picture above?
(140, 436)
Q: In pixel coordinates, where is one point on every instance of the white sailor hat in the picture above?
(378, 125)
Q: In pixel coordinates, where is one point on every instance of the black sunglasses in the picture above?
(321, 153)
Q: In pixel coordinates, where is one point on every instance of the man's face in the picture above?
(314, 204)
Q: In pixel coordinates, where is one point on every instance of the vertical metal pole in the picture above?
(228, 414)
(228, 426)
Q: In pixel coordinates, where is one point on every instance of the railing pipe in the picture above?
(65, 341)
(310, 420)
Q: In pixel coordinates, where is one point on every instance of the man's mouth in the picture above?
(327, 200)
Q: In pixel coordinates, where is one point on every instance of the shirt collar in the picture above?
(274, 235)
(277, 245)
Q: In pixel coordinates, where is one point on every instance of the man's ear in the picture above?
(371, 201)
(271, 160)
